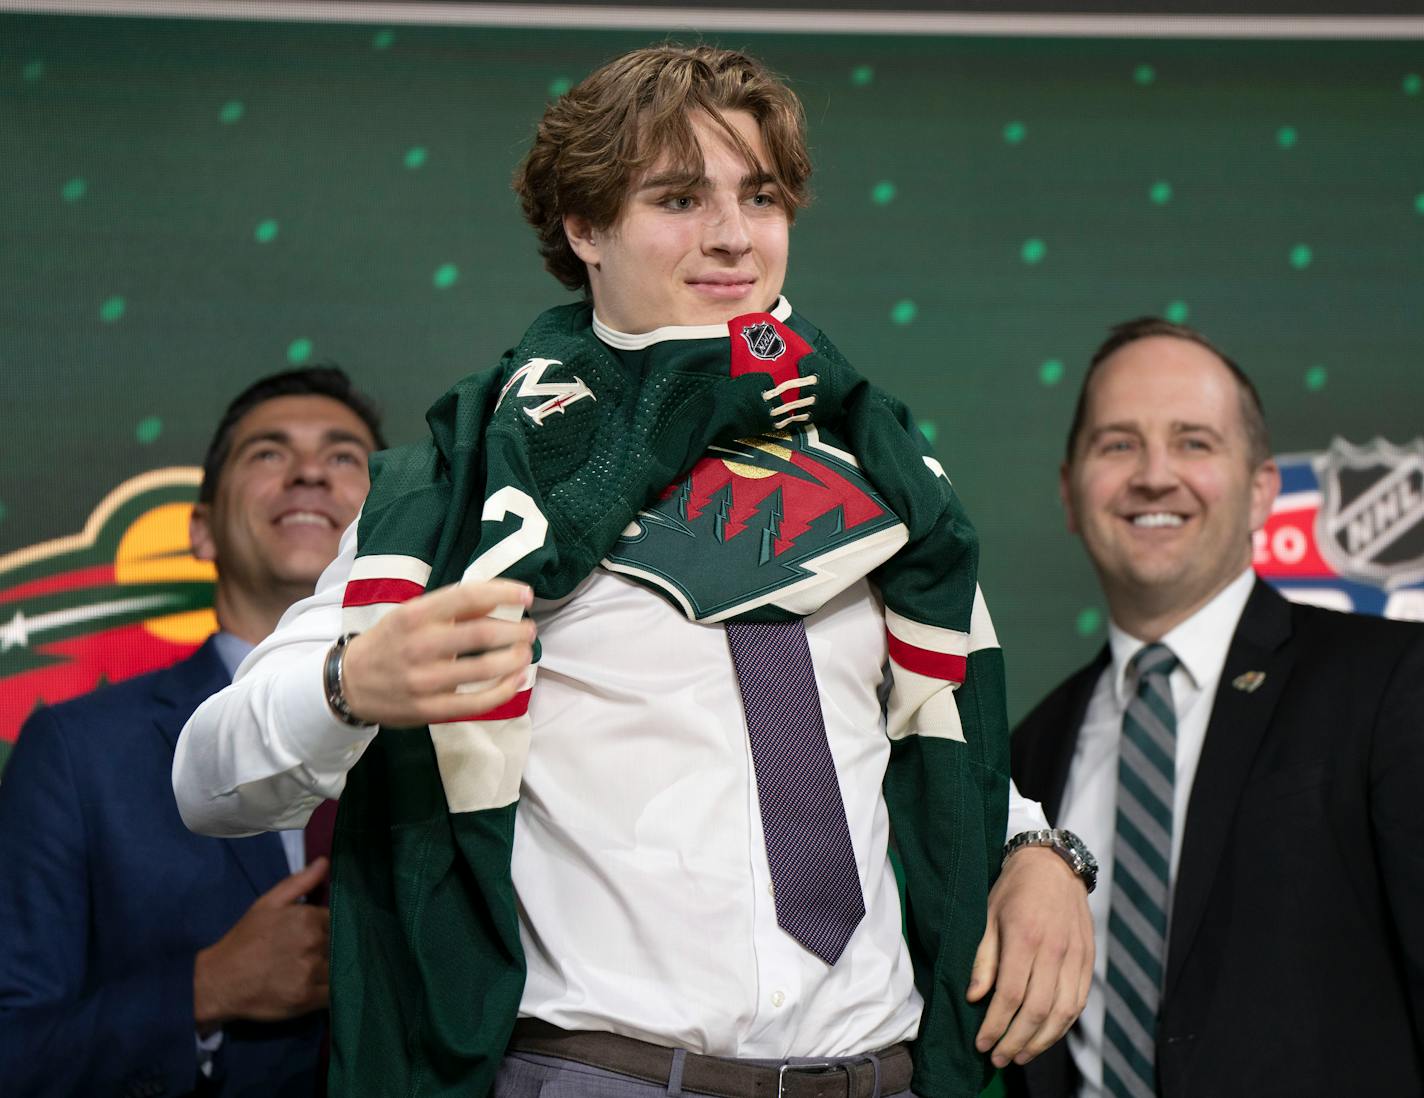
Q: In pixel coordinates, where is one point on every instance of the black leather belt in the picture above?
(840, 1078)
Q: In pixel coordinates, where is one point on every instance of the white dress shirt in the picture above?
(231, 651)
(639, 861)
(1090, 795)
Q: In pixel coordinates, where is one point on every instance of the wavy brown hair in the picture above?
(596, 140)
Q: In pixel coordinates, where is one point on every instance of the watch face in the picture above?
(1077, 846)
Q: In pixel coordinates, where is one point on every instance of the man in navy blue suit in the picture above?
(137, 958)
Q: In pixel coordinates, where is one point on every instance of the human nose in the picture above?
(1155, 472)
(308, 468)
(726, 228)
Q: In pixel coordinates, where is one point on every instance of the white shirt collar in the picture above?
(626, 342)
(1199, 643)
(231, 650)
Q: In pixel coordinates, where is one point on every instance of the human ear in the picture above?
(1265, 486)
(1065, 494)
(200, 533)
(582, 238)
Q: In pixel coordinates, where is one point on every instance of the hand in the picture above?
(403, 671)
(1037, 954)
(272, 964)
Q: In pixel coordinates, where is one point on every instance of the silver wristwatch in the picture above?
(1066, 845)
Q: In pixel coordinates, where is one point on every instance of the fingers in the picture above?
(440, 656)
(1014, 966)
(1051, 1002)
(461, 601)
(435, 650)
(290, 890)
(449, 674)
(986, 963)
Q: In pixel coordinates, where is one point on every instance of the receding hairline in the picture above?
(1248, 403)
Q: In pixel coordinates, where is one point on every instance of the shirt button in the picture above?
(771, 889)
(777, 998)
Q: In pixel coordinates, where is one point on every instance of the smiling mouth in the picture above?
(1156, 519)
(306, 518)
(719, 288)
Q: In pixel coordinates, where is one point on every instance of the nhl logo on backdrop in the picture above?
(764, 341)
(1371, 520)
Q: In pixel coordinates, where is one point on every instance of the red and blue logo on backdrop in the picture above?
(1347, 531)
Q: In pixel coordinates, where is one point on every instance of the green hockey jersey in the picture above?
(743, 471)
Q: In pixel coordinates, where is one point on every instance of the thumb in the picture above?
(291, 889)
(986, 964)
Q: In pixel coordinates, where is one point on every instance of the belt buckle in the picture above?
(824, 1065)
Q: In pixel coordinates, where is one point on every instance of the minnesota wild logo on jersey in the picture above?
(782, 520)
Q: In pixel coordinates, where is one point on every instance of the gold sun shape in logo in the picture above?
(155, 550)
(765, 444)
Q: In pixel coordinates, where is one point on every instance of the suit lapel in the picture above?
(1061, 759)
(1239, 719)
(1043, 742)
(186, 686)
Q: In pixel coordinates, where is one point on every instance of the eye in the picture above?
(265, 453)
(679, 202)
(349, 457)
(764, 200)
(1116, 446)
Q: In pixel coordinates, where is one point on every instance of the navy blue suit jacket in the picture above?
(105, 899)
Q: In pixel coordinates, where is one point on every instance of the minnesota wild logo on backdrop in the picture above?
(121, 597)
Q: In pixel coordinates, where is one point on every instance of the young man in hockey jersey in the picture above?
(657, 860)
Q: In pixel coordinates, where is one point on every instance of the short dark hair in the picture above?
(1253, 416)
(597, 139)
(325, 380)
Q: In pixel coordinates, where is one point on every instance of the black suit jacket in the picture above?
(1295, 962)
(105, 898)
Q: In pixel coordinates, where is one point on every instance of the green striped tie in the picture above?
(1142, 858)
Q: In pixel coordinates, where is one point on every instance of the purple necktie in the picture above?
(813, 872)
(316, 840)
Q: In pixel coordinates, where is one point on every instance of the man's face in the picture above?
(690, 250)
(1160, 486)
(293, 480)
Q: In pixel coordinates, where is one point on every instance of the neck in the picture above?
(251, 618)
(780, 308)
(1149, 614)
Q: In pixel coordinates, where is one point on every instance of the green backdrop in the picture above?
(188, 205)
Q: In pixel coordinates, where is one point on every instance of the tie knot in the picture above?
(1153, 659)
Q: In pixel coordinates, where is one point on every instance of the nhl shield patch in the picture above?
(764, 341)
(1371, 521)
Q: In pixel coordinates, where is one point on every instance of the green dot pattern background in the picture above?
(189, 205)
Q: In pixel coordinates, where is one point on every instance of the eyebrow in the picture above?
(1113, 428)
(335, 436)
(1178, 426)
(693, 180)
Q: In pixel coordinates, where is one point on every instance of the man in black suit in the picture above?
(1250, 771)
(136, 958)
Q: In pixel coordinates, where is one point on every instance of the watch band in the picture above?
(331, 679)
(1066, 845)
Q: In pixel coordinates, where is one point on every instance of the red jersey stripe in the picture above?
(922, 661)
(517, 706)
(373, 592)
